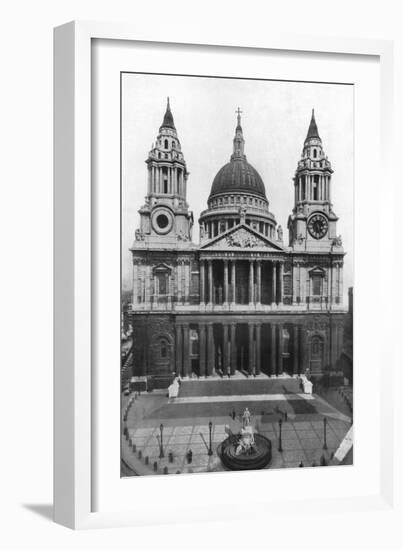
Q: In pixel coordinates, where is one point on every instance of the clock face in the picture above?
(318, 226)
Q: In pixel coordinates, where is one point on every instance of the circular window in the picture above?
(162, 221)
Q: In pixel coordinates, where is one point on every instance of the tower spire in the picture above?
(313, 129)
(168, 121)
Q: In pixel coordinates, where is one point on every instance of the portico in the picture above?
(223, 347)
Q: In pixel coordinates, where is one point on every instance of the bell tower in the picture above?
(165, 219)
(312, 225)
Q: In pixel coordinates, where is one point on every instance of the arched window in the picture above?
(166, 144)
(315, 153)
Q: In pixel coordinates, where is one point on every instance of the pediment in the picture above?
(161, 267)
(316, 270)
(242, 237)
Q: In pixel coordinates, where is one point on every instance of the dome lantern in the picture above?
(238, 176)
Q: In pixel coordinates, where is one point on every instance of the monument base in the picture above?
(255, 459)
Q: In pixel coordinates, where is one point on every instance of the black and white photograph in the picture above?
(237, 245)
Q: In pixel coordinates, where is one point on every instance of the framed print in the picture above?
(213, 301)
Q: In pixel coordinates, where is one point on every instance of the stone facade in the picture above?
(241, 300)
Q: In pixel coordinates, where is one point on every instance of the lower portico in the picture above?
(233, 345)
(253, 346)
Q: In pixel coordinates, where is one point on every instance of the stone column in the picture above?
(273, 284)
(210, 350)
(251, 354)
(226, 282)
(233, 348)
(233, 281)
(294, 283)
(251, 282)
(329, 194)
(258, 282)
(341, 283)
(281, 283)
(135, 286)
(334, 285)
(225, 354)
(329, 285)
(280, 350)
(202, 282)
(179, 344)
(181, 184)
(179, 281)
(334, 344)
(148, 278)
(187, 267)
(258, 348)
(295, 349)
(302, 350)
(149, 186)
(186, 356)
(210, 282)
(202, 350)
(272, 367)
(302, 283)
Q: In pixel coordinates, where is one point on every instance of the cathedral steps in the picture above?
(250, 386)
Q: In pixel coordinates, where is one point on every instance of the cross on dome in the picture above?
(238, 112)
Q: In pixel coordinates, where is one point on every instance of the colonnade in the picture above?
(304, 187)
(230, 282)
(229, 347)
(175, 181)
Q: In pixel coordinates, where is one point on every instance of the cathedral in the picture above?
(243, 302)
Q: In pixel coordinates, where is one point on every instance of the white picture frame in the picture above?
(77, 471)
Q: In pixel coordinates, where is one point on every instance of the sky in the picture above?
(275, 120)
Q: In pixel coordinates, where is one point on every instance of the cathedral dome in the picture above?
(238, 176)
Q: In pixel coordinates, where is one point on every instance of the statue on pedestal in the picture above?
(246, 442)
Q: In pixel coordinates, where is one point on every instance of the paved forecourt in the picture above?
(185, 427)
